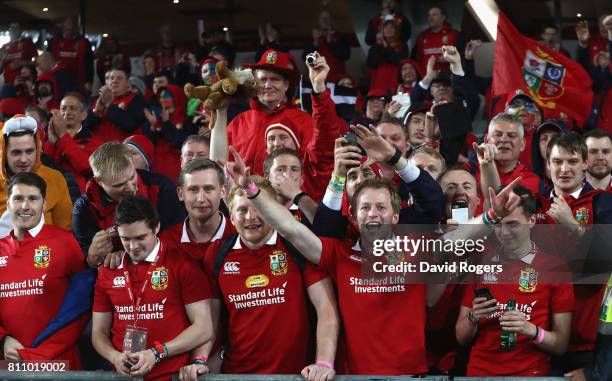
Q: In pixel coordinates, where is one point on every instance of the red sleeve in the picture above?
(101, 301)
(77, 157)
(327, 126)
(195, 286)
(313, 274)
(328, 255)
(60, 342)
(209, 264)
(467, 297)
(562, 298)
(51, 151)
(75, 262)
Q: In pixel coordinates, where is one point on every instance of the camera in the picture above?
(311, 58)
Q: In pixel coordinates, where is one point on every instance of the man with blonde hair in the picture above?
(114, 178)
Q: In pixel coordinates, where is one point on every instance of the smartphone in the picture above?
(351, 138)
(459, 211)
(128, 364)
(483, 292)
(114, 236)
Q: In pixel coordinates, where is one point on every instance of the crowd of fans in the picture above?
(236, 246)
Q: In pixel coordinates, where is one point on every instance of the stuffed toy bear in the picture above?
(239, 83)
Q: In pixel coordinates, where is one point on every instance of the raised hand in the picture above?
(378, 149)
(485, 152)
(237, 170)
(582, 32)
(346, 156)
(506, 201)
(318, 72)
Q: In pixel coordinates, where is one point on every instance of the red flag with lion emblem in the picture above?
(553, 80)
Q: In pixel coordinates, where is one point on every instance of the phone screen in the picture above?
(460, 215)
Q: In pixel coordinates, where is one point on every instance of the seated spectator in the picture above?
(375, 25)
(599, 160)
(20, 151)
(20, 51)
(408, 75)
(195, 147)
(168, 128)
(430, 160)
(542, 136)
(385, 55)
(114, 178)
(269, 39)
(119, 111)
(68, 144)
(549, 37)
(429, 43)
(74, 51)
(109, 56)
(63, 78)
(274, 75)
(201, 187)
(179, 293)
(57, 264)
(542, 330)
(142, 150)
(331, 45)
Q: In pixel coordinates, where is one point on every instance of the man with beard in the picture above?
(599, 159)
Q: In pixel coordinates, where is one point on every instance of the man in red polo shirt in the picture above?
(37, 263)
(262, 285)
(201, 186)
(543, 313)
(506, 133)
(384, 326)
(156, 291)
(574, 203)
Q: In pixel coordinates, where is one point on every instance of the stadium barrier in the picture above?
(110, 376)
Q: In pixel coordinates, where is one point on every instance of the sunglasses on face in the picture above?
(527, 105)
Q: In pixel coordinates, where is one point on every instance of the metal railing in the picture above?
(111, 376)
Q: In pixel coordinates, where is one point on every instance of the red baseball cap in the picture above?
(279, 62)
